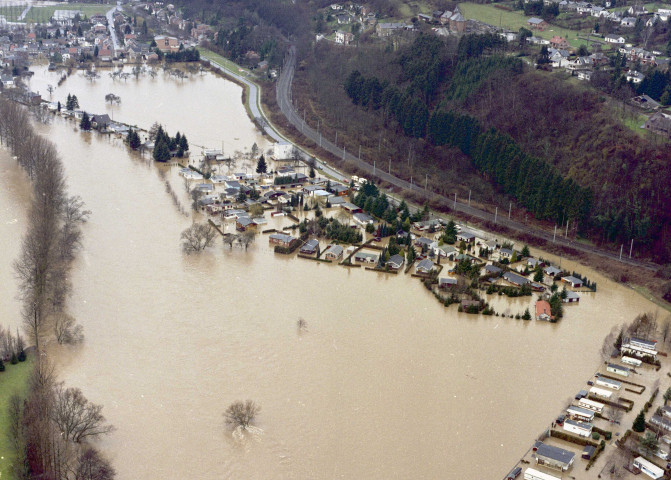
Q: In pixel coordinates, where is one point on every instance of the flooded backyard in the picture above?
(385, 382)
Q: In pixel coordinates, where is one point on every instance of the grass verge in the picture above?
(13, 380)
(488, 13)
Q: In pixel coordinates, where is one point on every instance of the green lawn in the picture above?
(12, 380)
(223, 61)
(634, 122)
(515, 20)
(43, 14)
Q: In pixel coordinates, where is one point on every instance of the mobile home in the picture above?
(631, 361)
(649, 468)
(591, 405)
(579, 413)
(608, 382)
(579, 428)
(617, 369)
(601, 392)
(533, 474)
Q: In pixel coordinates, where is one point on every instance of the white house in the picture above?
(634, 77)
(282, 150)
(363, 219)
(629, 22)
(617, 39)
(553, 457)
(343, 38)
(447, 251)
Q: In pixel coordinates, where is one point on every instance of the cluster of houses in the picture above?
(71, 38)
(578, 421)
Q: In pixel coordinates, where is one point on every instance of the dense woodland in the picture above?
(262, 26)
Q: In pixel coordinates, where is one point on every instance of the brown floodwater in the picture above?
(385, 382)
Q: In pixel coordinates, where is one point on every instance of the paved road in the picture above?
(110, 26)
(253, 100)
(284, 99)
(24, 13)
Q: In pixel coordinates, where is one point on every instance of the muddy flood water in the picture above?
(385, 383)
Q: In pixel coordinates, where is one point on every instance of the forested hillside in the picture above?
(558, 150)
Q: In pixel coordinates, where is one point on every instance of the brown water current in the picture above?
(385, 383)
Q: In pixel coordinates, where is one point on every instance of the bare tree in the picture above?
(665, 329)
(241, 414)
(66, 329)
(302, 325)
(646, 33)
(608, 345)
(247, 238)
(230, 239)
(198, 237)
(76, 417)
(91, 466)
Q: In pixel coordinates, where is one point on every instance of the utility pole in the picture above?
(631, 248)
(496, 214)
(554, 237)
(320, 140)
(455, 200)
(426, 182)
(510, 207)
(343, 151)
(373, 167)
(359, 152)
(469, 198)
(390, 166)
(336, 142)
(621, 246)
(567, 220)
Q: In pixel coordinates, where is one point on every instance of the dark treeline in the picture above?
(48, 428)
(186, 55)
(536, 184)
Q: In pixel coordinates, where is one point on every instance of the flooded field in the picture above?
(385, 382)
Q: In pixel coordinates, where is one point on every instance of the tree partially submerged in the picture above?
(241, 414)
(76, 417)
(198, 237)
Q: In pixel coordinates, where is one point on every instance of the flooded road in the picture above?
(385, 383)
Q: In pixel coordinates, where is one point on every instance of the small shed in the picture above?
(310, 247)
(588, 452)
(571, 297)
(334, 252)
(446, 282)
(573, 281)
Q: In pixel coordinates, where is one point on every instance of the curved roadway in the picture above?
(283, 89)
